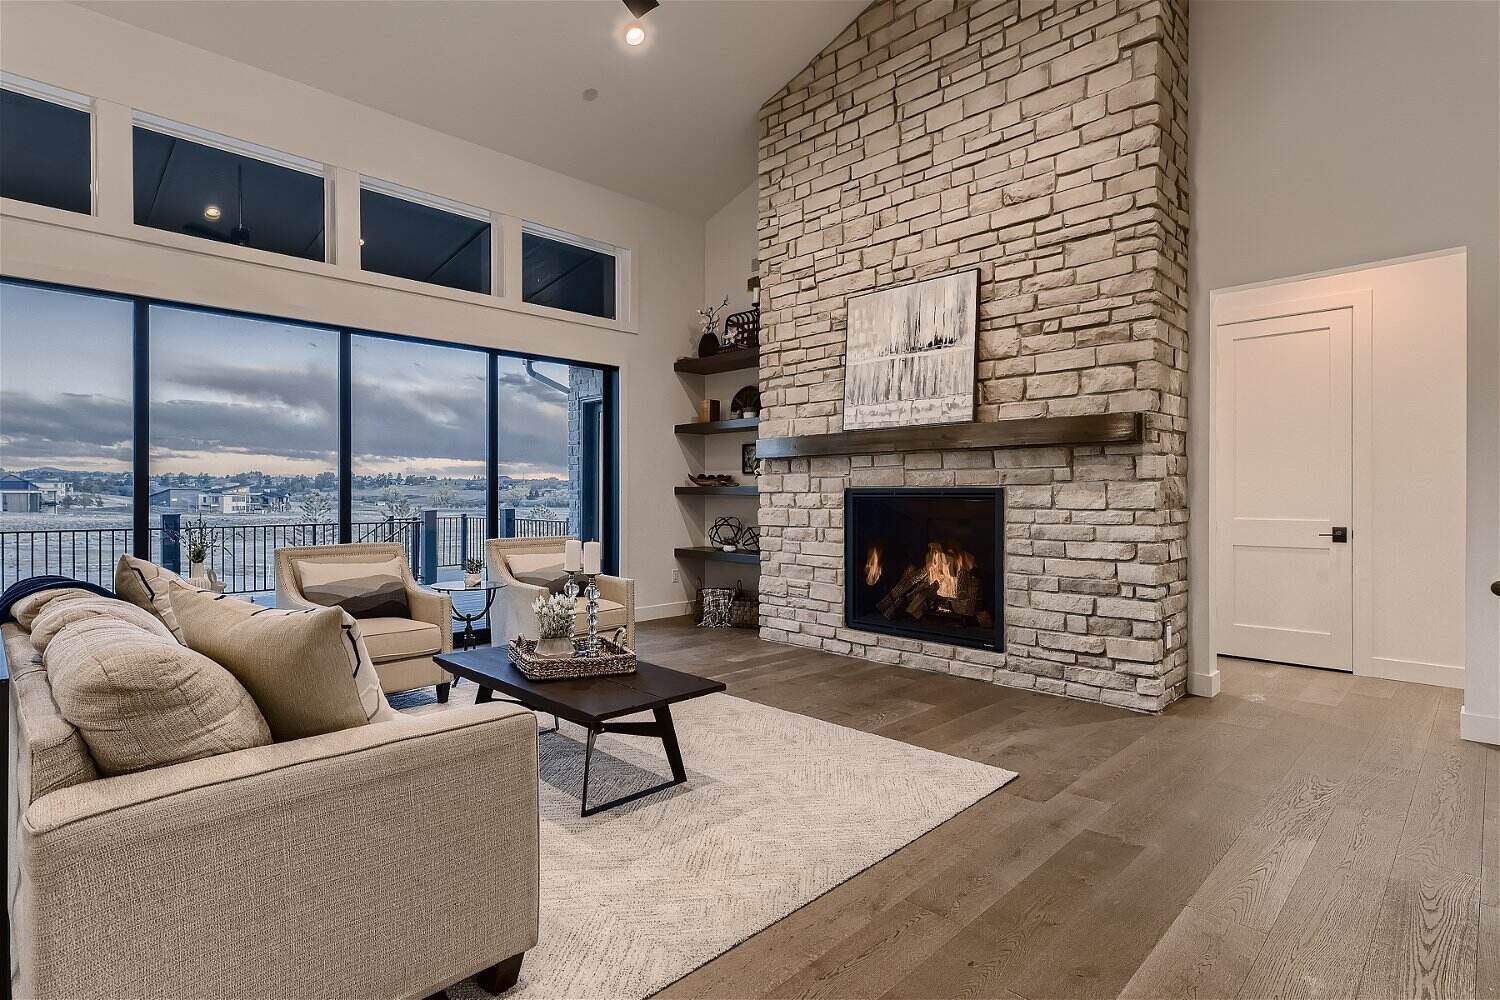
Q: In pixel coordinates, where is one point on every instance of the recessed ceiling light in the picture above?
(591, 94)
(635, 35)
(212, 213)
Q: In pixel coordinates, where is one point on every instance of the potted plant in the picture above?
(200, 540)
(554, 621)
(472, 570)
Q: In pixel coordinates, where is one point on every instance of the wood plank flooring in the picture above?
(1304, 835)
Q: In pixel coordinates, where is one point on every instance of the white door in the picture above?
(1284, 471)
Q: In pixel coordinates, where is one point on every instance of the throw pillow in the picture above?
(26, 610)
(144, 584)
(540, 569)
(307, 670)
(364, 589)
(141, 700)
(60, 614)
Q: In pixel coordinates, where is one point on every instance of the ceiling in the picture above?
(674, 122)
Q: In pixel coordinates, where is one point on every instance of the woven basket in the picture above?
(615, 659)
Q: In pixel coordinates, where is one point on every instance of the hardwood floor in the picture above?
(1306, 834)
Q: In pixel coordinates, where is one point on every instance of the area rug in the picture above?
(778, 809)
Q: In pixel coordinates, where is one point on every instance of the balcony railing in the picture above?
(243, 556)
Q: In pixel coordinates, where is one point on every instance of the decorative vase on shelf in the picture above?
(708, 345)
(195, 568)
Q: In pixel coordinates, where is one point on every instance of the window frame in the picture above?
(439, 203)
(74, 101)
(620, 255)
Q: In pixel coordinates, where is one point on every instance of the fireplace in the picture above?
(926, 564)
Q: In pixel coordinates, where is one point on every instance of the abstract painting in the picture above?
(909, 353)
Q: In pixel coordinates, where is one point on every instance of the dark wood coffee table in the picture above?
(591, 702)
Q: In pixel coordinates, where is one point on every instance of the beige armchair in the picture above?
(511, 558)
(402, 648)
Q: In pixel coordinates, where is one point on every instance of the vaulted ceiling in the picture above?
(674, 120)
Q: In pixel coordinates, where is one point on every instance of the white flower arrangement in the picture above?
(554, 616)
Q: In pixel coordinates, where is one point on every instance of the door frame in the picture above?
(1273, 300)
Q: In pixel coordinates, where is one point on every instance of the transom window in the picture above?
(46, 145)
(413, 235)
(567, 272)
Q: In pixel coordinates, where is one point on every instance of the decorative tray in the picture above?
(614, 659)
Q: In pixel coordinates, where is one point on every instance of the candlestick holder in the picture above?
(589, 645)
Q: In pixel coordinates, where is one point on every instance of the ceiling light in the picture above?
(591, 94)
(212, 213)
(635, 35)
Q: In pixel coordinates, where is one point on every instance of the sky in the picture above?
(230, 394)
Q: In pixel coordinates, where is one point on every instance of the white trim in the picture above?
(229, 144)
(656, 612)
(1334, 272)
(1415, 671)
(1479, 728)
(46, 92)
(559, 236)
(435, 201)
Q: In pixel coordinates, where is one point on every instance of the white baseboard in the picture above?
(1414, 671)
(1205, 685)
(672, 609)
(1479, 728)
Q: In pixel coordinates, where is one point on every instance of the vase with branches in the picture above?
(199, 539)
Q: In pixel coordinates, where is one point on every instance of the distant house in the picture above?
(177, 498)
(233, 499)
(54, 490)
(19, 496)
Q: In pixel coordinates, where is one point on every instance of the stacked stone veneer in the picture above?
(1044, 144)
(584, 385)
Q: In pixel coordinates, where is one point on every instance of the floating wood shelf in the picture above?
(720, 426)
(716, 491)
(1102, 428)
(711, 554)
(724, 361)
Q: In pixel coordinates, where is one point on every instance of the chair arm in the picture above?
(434, 608)
(622, 591)
(316, 868)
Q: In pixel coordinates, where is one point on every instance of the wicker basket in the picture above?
(615, 659)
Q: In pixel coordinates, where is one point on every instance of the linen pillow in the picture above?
(308, 671)
(141, 700)
(59, 614)
(26, 610)
(540, 569)
(145, 584)
(364, 589)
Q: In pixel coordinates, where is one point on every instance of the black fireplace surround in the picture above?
(926, 564)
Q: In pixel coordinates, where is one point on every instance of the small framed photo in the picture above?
(749, 464)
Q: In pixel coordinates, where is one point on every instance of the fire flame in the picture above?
(944, 567)
(873, 568)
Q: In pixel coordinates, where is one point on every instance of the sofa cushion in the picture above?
(540, 569)
(141, 700)
(25, 610)
(308, 671)
(145, 584)
(57, 615)
(390, 639)
(364, 589)
(611, 615)
(49, 750)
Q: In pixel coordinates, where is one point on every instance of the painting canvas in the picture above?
(909, 354)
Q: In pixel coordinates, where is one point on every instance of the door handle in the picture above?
(1338, 534)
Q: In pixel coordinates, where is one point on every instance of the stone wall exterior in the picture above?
(584, 384)
(1045, 145)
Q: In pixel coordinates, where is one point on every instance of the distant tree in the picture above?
(446, 495)
(68, 502)
(395, 505)
(326, 481)
(317, 508)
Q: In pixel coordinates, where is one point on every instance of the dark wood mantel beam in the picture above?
(1031, 432)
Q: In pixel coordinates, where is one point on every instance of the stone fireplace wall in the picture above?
(1045, 144)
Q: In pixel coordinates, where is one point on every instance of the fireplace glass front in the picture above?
(926, 564)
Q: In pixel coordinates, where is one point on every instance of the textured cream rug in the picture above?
(778, 809)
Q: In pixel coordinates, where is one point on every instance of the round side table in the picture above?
(452, 587)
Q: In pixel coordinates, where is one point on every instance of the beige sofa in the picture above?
(402, 648)
(389, 860)
(512, 614)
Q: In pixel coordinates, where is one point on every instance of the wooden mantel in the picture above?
(1031, 432)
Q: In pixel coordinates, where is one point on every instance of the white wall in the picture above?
(125, 68)
(1329, 134)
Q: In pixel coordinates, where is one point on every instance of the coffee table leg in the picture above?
(588, 755)
(669, 743)
(483, 695)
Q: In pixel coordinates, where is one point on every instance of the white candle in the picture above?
(593, 553)
(572, 555)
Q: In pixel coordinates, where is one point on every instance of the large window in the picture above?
(129, 425)
(563, 272)
(244, 438)
(65, 432)
(419, 442)
(549, 466)
(212, 190)
(423, 238)
(45, 153)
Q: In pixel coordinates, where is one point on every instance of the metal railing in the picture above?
(243, 556)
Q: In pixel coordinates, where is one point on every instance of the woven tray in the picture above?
(614, 660)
